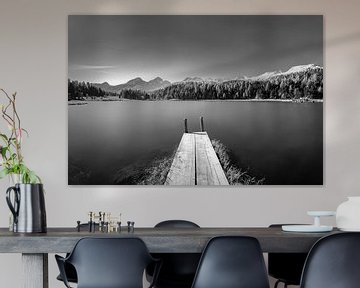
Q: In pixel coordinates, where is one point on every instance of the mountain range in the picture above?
(199, 79)
(135, 84)
(158, 83)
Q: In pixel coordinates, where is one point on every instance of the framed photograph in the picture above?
(195, 100)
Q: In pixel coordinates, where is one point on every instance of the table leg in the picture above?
(35, 270)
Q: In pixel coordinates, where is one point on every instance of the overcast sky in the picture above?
(119, 48)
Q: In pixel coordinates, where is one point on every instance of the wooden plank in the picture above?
(182, 170)
(35, 270)
(208, 168)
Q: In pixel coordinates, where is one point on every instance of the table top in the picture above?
(158, 240)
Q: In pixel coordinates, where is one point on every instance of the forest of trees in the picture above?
(303, 85)
(79, 90)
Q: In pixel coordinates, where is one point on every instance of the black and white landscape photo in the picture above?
(195, 100)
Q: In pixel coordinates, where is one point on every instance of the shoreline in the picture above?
(116, 99)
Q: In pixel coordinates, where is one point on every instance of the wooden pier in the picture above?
(195, 161)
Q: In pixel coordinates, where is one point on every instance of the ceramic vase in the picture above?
(27, 204)
(348, 214)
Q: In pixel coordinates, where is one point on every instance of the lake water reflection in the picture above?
(281, 141)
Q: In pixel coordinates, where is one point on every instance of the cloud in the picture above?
(90, 67)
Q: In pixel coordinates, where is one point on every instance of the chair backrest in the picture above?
(232, 261)
(333, 262)
(178, 269)
(176, 224)
(110, 262)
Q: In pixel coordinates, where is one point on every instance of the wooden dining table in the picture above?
(35, 247)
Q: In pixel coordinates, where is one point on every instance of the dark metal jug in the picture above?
(28, 207)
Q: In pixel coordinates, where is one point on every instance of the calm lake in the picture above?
(282, 142)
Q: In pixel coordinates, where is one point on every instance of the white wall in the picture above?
(33, 62)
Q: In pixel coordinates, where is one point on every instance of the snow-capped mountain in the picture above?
(292, 70)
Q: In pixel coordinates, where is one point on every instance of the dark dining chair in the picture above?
(333, 262)
(232, 262)
(108, 263)
(178, 269)
(286, 267)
